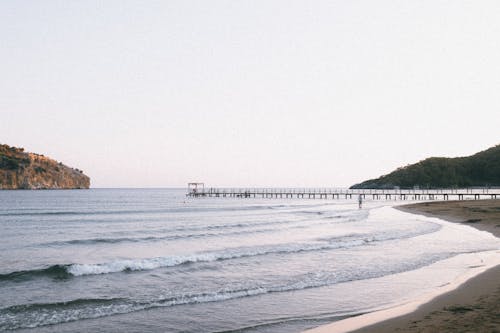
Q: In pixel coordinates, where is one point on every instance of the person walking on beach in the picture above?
(360, 201)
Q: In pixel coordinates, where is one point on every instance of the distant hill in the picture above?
(481, 169)
(21, 170)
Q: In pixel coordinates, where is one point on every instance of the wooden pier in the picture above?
(332, 193)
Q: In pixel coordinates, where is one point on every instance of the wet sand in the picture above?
(481, 214)
(475, 305)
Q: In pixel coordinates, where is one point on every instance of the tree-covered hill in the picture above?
(481, 169)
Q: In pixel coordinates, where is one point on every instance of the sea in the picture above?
(154, 260)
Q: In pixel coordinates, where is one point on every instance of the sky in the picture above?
(248, 93)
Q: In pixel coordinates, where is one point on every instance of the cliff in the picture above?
(481, 169)
(21, 170)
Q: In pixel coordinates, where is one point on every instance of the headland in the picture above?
(30, 171)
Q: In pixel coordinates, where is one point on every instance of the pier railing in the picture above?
(343, 193)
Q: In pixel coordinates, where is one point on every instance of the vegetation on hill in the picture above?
(481, 169)
(21, 170)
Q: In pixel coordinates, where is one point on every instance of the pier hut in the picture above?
(196, 189)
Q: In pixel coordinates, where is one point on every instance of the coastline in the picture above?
(468, 305)
(480, 214)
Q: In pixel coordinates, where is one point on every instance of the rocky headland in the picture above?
(22, 170)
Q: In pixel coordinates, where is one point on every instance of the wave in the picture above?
(193, 228)
(152, 238)
(54, 271)
(242, 229)
(128, 265)
(186, 209)
(273, 209)
(171, 261)
(337, 215)
(41, 314)
(14, 309)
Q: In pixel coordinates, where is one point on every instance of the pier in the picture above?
(199, 190)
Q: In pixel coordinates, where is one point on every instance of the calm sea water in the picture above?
(154, 261)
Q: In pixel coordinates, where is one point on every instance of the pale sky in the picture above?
(248, 93)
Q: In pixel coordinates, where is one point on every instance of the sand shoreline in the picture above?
(462, 307)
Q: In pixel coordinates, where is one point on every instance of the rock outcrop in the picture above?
(21, 170)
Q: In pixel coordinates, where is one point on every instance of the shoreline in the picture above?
(467, 305)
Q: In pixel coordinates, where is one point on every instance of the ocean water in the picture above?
(152, 260)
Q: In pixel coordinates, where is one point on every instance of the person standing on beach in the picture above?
(360, 201)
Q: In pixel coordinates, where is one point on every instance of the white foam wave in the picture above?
(49, 314)
(235, 253)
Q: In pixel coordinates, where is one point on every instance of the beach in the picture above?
(472, 307)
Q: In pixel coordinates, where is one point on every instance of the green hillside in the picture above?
(481, 169)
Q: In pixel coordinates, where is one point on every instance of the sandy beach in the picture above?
(473, 306)
(481, 214)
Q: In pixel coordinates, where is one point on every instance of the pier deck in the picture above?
(330, 193)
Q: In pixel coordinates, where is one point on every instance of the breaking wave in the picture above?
(128, 265)
(41, 314)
